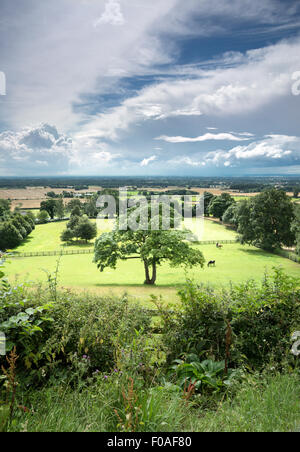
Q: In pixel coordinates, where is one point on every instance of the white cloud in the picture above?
(39, 146)
(184, 160)
(146, 162)
(112, 14)
(42, 148)
(271, 149)
(205, 137)
(59, 59)
(262, 79)
(62, 67)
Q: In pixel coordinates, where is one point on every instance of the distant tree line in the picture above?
(249, 184)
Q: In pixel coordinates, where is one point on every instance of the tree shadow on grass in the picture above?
(156, 286)
(258, 252)
(78, 244)
(25, 241)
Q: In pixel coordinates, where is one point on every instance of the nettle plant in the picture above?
(18, 320)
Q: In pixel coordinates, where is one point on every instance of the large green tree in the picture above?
(49, 206)
(230, 215)
(265, 220)
(151, 247)
(219, 204)
(208, 197)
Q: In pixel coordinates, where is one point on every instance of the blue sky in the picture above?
(132, 87)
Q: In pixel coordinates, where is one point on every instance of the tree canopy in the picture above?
(265, 220)
(152, 247)
(219, 204)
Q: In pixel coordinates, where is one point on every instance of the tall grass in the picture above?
(262, 404)
(271, 404)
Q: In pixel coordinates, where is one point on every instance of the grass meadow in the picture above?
(234, 263)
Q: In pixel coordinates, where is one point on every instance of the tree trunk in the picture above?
(153, 279)
(148, 280)
(147, 276)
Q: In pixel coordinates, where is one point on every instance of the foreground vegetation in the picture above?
(261, 404)
(219, 361)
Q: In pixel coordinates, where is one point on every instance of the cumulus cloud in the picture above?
(263, 78)
(35, 147)
(272, 150)
(112, 14)
(76, 76)
(205, 137)
(42, 148)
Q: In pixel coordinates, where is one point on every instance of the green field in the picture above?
(234, 263)
(46, 237)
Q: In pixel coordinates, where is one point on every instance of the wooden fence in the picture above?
(91, 250)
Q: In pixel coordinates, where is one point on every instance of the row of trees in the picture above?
(56, 208)
(14, 227)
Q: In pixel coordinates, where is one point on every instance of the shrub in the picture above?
(259, 318)
(74, 328)
(92, 327)
(10, 236)
(67, 235)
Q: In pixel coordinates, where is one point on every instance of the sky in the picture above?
(139, 87)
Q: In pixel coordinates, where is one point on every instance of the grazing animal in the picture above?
(211, 263)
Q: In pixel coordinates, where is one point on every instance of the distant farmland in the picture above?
(31, 197)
